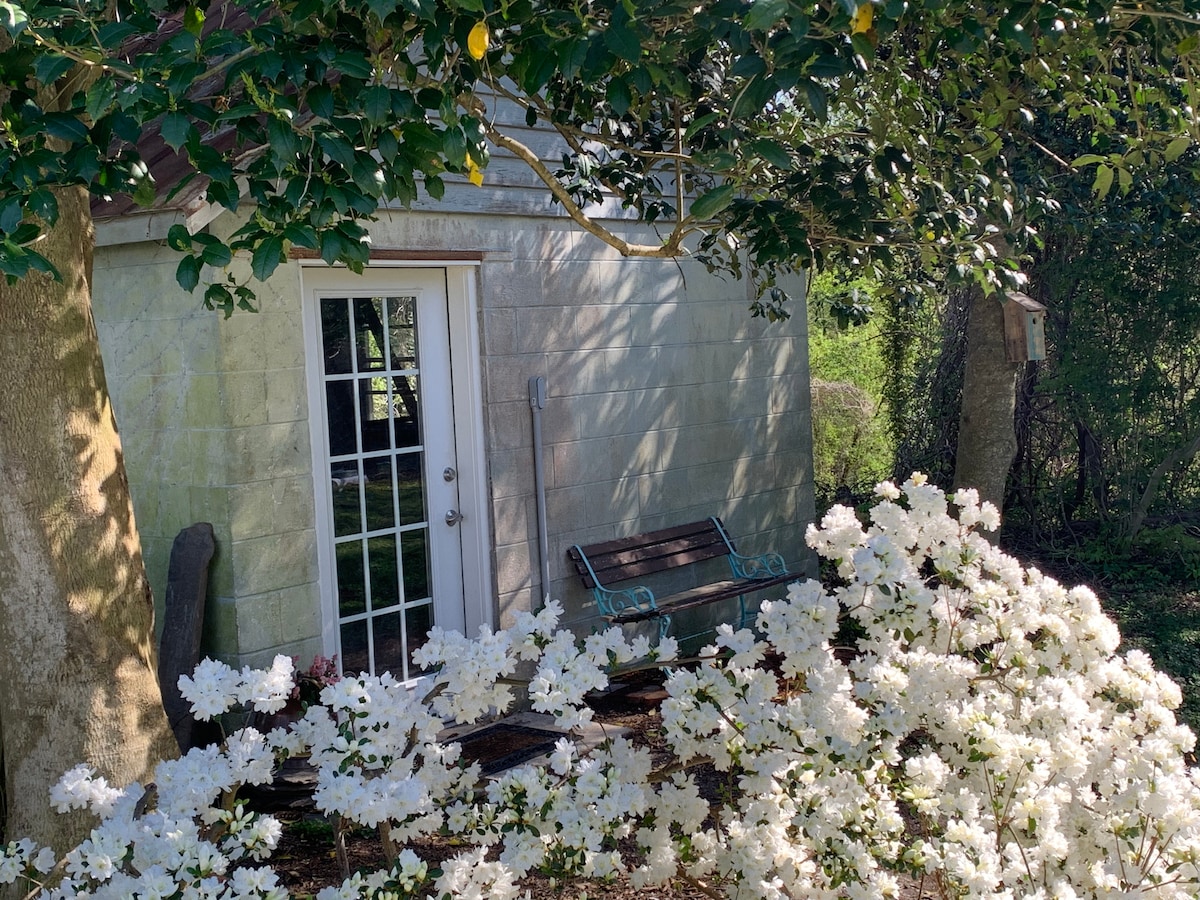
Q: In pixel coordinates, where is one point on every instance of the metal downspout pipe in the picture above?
(537, 402)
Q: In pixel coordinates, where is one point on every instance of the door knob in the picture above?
(453, 517)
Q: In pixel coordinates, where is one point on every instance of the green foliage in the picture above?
(1119, 396)
(851, 445)
(802, 132)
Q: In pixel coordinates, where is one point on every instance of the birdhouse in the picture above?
(1024, 328)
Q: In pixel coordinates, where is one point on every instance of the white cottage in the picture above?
(364, 446)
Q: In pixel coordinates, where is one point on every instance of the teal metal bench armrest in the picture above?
(765, 565)
(613, 604)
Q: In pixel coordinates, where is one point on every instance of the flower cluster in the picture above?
(982, 735)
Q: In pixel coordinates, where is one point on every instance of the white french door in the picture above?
(388, 481)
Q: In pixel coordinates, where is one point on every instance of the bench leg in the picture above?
(664, 625)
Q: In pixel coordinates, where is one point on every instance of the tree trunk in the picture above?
(77, 657)
(987, 440)
(1180, 456)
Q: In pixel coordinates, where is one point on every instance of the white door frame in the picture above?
(467, 388)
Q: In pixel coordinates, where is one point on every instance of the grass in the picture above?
(1165, 623)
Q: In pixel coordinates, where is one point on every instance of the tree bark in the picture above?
(987, 440)
(77, 657)
(1180, 456)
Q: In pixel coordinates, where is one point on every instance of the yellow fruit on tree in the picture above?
(478, 40)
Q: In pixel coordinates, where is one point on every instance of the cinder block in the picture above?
(286, 395)
(220, 634)
(244, 399)
(512, 472)
(273, 562)
(499, 332)
(203, 406)
(508, 425)
(515, 568)
(259, 622)
(507, 377)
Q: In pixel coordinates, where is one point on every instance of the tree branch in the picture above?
(672, 247)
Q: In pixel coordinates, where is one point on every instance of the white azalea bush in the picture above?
(982, 735)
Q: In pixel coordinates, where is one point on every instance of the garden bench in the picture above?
(600, 566)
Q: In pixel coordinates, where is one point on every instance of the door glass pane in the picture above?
(355, 654)
(339, 410)
(380, 493)
(415, 547)
(374, 411)
(335, 333)
(402, 331)
(352, 585)
(389, 644)
(406, 402)
(385, 587)
(344, 485)
(417, 622)
(368, 328)
(411, 484)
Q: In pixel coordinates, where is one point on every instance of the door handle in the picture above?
(453, 517)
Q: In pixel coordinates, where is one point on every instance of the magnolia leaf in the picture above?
(267, 256)
(65, 127)
(860, 22)
(1176, 148)
(320, 100)
(187, 273)
(1125, 179)
(13, 18)
(179, 238)
(708, 205)
(11, 214)
(478, 40)
(1088, 159)
(623, 41)
(1015, 33)
(217, 255)
(1103, 183)
(49, 67)
(772, 151)
(817, 99)
(618, 96)
(764, 13)
(377, 103)
(699, 124)
(193, 20)
(302, 236)
(175, 129)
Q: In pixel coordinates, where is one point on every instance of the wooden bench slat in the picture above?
(703, 595)
(638, 540)
(646, 554)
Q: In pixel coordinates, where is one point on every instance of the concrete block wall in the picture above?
(213, 418)
(667, 403)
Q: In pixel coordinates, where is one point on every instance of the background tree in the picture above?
(761, 135)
